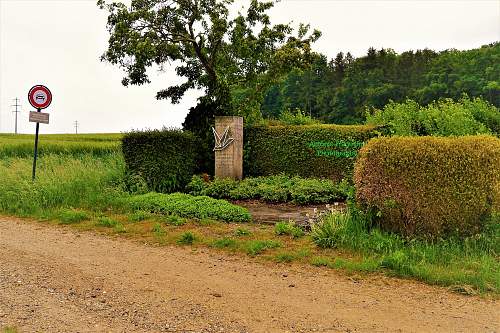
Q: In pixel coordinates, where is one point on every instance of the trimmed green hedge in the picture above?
(317, 151)
(430, 186)
(185, 205)
(165, 160)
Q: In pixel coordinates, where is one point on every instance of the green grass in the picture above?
(241, 232)
(69, 216)
(224, 243)
(187, 238)
(256, 247)
(139, 216)
(107, 222)
(472, 261)
(63, 181)
(288, 228)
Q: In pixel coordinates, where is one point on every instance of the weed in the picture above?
(224, 243)
(175, 220)
(119, 228)
(288, 228)
(9, 329)
(158, 230)
(240, 232)
(139, 216)
(256, 247)
(285, 257)
(107, 222)
(187, 238)
(69, 216)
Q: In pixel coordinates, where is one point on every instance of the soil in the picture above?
(263, 212)
(56, 279)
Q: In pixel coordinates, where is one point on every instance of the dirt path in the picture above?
(57, 280)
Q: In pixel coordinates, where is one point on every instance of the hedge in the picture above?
(165, 159)
(319, 151)
(430, 186)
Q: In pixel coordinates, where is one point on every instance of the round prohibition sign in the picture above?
(40, 97)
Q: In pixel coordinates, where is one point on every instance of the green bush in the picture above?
(185, 205)
(441, 118)
(278, 188)
(430, 186)
(296, 117)
(288, 228)
(165, 160)
(187, 238)
(317, 151)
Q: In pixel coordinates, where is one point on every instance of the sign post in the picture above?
(40, 98)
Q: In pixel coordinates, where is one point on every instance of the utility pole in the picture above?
(16, 112)
(76, 126)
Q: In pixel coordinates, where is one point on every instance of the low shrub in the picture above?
(280, 188)
(430, 186)
(185, 205)
(319, 151)
(165, 160)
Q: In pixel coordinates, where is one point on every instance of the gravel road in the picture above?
(54, 279)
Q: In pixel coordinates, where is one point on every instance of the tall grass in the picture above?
(62, 181)
(472, 261)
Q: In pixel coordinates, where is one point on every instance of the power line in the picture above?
(76, 126)
(16, 112)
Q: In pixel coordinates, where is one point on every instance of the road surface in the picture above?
(54, 279)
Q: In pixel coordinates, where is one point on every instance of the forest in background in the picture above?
(341, 89)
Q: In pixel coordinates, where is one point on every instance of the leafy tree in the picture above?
(234, 61)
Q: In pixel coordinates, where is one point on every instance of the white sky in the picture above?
(58, 43)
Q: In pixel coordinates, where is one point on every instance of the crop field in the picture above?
(22, 145)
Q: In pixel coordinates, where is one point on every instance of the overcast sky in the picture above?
(58, 43)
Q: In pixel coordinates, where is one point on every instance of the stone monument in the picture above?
(228, 134)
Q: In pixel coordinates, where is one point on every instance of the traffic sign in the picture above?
(39, 117)
(40, 97)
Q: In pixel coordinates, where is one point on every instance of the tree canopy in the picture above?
(233, 60)
(341, 89)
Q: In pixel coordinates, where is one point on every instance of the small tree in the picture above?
(233, 60)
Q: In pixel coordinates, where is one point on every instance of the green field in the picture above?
(22, 145)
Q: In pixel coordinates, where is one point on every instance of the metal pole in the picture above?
(36, 149)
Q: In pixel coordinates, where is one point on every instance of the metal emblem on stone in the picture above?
(222, 142)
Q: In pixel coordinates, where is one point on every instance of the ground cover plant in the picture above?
(279, 188)
(186, 205)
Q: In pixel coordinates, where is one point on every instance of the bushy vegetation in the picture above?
(319, 151)
(339, 89)
(63, 181)
(471, 261)
(430, 186)
(442, 118)
(185, 205)
(165, 160)
(279, 188)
